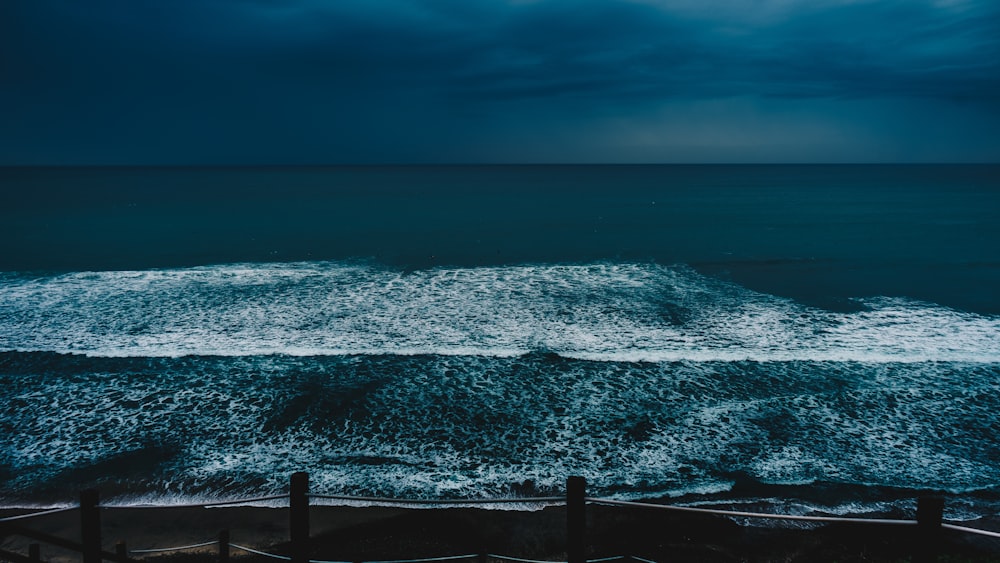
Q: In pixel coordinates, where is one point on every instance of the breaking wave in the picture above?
(603, 312)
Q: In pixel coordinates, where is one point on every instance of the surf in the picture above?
(620, 312)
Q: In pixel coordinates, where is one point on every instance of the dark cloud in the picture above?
(294, 81)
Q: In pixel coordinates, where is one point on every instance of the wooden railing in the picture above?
(929, 523)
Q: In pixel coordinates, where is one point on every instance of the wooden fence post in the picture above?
(121, 550)
(930, 513)
(224, 546)
(90, 526)
(35, 552)
(576, 520)
(298, 503)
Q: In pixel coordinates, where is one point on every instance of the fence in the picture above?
(929, 523)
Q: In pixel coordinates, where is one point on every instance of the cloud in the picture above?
(391, 80)
(841, 50)
(496, 50)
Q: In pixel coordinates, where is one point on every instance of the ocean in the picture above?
(807, 337)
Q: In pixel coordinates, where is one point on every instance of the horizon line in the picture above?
(484, 164)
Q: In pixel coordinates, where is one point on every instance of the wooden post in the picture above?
(576, 520)
(298, 503)
(34, 552)
(224, 546)
(930, 513)
(90, 526)
(121, 550)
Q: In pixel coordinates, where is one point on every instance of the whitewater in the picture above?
(601, 312)
(650, 380)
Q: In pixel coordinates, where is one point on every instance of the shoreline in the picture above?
(343, 533)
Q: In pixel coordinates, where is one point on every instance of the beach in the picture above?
(380, 534)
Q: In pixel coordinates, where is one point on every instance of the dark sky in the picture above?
(398, 81)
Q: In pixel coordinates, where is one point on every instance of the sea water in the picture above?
(826, 336)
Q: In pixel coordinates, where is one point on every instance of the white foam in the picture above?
(604, 312)
(464, 426)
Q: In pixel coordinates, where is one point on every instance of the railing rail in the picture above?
(262, 553)
(36, 514)
(434, 502)
(177, 548)
(206, 504)
(761, 515)
(968, 530)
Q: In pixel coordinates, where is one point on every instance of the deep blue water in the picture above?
(713, 331)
